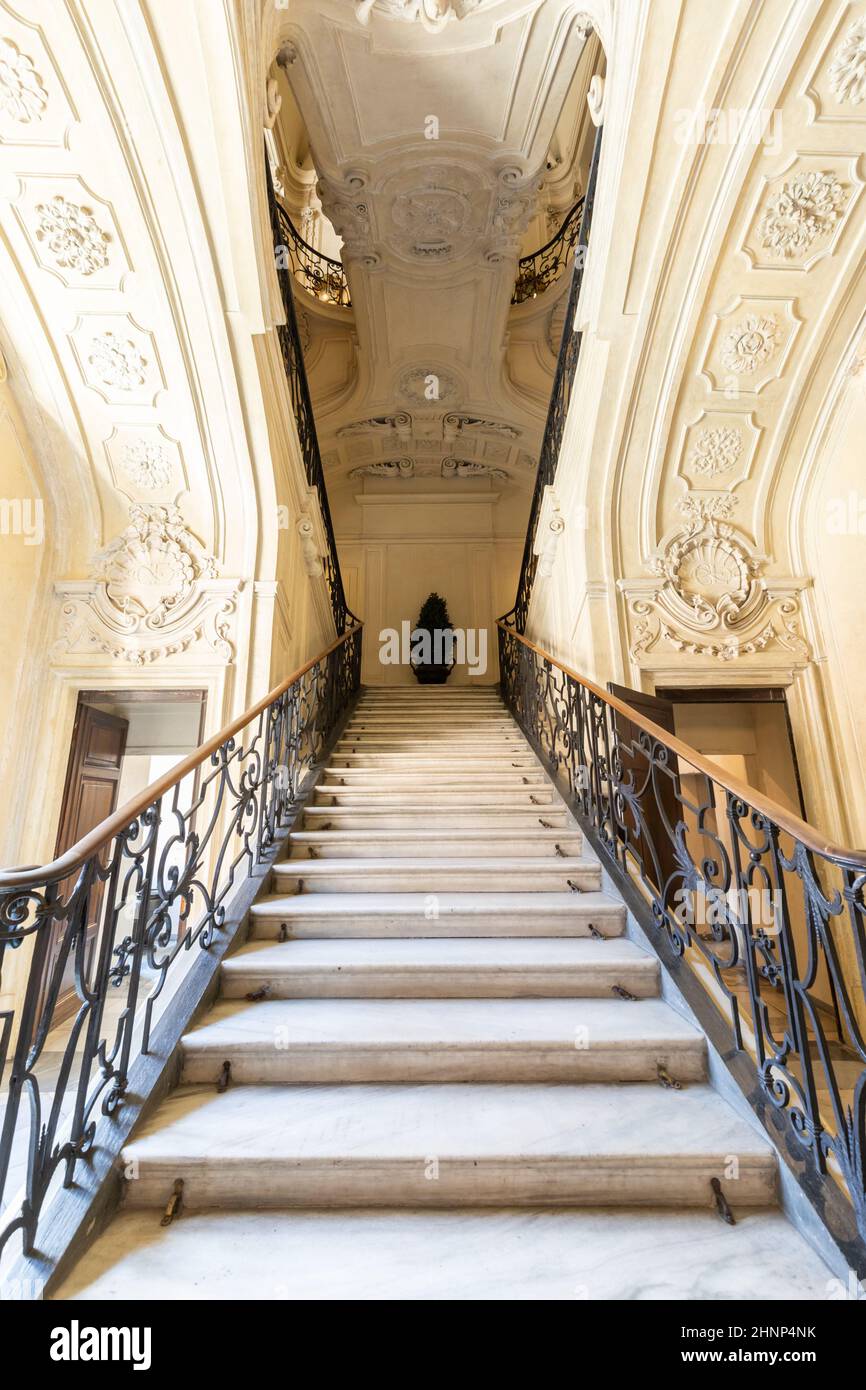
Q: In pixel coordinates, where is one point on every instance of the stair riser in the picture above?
(489, 797)
(451, 819)
(437, 881)
(403, 778)
(416, 1182)
(458, 924)
(502, 845)
(432, 727)
(499, 983)
(406, 759)
(521, 1062)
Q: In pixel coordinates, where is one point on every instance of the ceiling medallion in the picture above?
(806, 207)
(117, 363)
(749, 343)
(848, 68)
(22, 94)
(422, 385)
(74, 237)
(433, 14)
(716, 451)
(431, 219)
(147, 464)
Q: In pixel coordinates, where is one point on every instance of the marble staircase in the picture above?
(438, 1068)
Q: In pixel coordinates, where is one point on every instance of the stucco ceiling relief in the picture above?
(145, 462)
(837, 87)
(35, 108)
(117, 358)
(432, 15)
(72, 233)
(847, 74)
(718, 450)
(749, 344)
(22, 92)
(708, 597)
(153, 594)
(801, 214)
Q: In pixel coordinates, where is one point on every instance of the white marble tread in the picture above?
(445, 967)
(631, 1122)
(498, 1254)
(432, 842)
(497, 905)
(428, 953)
(234, 1025)
(502, 868)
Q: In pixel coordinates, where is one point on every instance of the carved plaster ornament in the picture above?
(22, 92)
(273, 102)
(386, 468)
(72, 234)
(468, 468)
(749, 344)
(848, 68)
(152, 567)
(433, 15)
(807, 207)
(454, 422)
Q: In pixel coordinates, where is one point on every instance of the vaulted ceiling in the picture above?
(431, 128)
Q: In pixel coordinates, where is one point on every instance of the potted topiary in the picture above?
(432, 654)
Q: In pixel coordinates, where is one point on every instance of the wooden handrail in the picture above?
(78, 854)
(784, 819)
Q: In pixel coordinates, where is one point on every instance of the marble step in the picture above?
(325, 1041)
(460, 760)
(422, 745)
(347, 916)
(441, 774)
(481, 794)
(447, 1146)
(453, 875)
(413, 816)
(538, 1254)
(493, 727)
(431, 843)
(451, 968)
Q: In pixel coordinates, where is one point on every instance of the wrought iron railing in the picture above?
(293, 358)
(761, 919)
(540, 269)
(320, 275)
(118, 919)
(566, 367)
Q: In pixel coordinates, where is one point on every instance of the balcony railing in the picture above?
(126, 915)
(318, 274)
(296, 375)
(760, 920)
(560, 397)
(540, 269)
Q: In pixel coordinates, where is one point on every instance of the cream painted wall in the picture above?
(398, 543)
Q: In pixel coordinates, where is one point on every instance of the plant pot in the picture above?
(432, 675)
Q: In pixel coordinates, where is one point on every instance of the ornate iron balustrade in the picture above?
(150, 887)
(540, 269)
(560, 397)
(761, 921)
(296, 375)
(320, 275)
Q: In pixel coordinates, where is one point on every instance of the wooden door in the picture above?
(89, 795)
(665, 802)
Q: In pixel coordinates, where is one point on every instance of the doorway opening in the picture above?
(122, 740)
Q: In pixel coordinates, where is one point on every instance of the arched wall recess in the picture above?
(703, 372)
